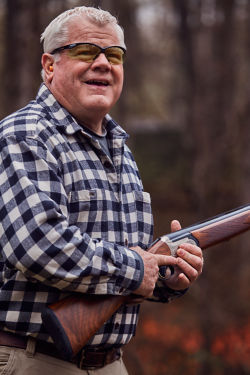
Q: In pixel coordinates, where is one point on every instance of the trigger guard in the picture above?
(165, 272)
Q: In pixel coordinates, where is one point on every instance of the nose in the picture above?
(101, 62)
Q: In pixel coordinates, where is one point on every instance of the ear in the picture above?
(48, 66)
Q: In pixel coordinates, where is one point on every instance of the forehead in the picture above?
(83, 30)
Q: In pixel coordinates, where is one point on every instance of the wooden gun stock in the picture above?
(72, 321)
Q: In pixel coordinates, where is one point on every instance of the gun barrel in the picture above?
(182, 233)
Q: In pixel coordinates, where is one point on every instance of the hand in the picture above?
(189, 264)
(151, 270)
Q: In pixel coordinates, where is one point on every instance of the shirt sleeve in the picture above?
(35, 235)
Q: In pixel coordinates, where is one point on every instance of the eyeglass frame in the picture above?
(102, 50)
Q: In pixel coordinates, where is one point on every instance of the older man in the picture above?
(74, 216)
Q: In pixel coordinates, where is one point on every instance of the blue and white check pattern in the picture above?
(68, 217)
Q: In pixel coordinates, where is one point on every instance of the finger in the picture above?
(180, 282)
(165, 260)
(189, 271)
(183, 281)
(192, 255)
(193, 260)
(192, 249)
(175, 225)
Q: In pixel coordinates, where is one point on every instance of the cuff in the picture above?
(131, 272)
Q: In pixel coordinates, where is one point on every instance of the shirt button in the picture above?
(92, 194)
(117, 325)
(107, 164)
(126, 242)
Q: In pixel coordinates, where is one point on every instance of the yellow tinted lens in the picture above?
(115, 55)
(85, 52)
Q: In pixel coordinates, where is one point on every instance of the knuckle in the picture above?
(199, 264)
(195, 274)
(180, 261)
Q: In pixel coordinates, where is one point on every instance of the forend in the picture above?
(216, 229)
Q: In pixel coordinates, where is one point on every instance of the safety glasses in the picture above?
(88, 52)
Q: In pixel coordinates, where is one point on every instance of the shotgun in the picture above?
(72, 321)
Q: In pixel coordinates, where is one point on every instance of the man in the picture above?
(74, 216)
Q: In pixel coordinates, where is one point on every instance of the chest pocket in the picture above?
(93, 211)
(98, 213)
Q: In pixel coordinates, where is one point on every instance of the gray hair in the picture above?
(56, 33)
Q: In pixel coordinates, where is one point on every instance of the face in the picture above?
(87, 90)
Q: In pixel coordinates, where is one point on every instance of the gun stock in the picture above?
(72, 321)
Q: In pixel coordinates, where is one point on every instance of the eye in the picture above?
(115, 55)
(84, 52)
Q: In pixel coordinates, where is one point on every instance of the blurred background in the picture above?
(186, 106)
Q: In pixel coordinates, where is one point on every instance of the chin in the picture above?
(101, 103)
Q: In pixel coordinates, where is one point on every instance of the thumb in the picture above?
(175, 225)
(165, 260)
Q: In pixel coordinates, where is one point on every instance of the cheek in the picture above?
(68, 71)
(119, 91)
(120, 79)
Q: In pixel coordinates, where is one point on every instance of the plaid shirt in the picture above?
(69, 214)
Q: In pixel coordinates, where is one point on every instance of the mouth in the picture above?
(95, 82)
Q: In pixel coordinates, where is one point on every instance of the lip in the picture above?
(97, 89)
(97, 82)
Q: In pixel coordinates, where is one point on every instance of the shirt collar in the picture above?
(63, 119)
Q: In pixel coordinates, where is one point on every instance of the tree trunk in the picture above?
(23, 51)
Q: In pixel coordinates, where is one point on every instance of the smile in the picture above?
(97, 83)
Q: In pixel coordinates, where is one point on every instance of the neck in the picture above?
(96, 128)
